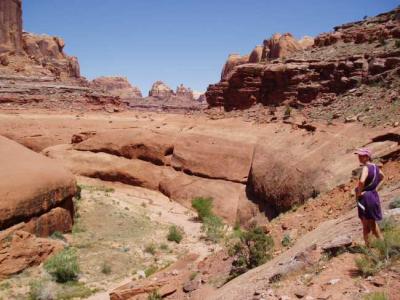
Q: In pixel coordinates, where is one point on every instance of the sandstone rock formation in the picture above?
(281, 46)
(117, 86)
(160, 90)
(184, 92)
(36, 72)
(31, 185)
(10, 26)
(381, 27)
(233, 60)
(256, 54)
(306, 42)
(290, 72)
(20, 250)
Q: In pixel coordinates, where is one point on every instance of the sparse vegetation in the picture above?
(154, 295)
(175, 234)
(90, 188)
(150, 248)
(376, 296)
(63, 266)
(213, 227)
(164, 247)
(150, 270)
(395, 203)
(203, 206)
(106, 268)
(193, 275)
(382, 254)
(286, 241)
(288, 111)
(253, 249)
(397, 43)
(56, 235)
(45, 290)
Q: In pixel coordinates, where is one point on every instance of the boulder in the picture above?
(226, 195)
(160, 90)
(117, 86)
(212, 157)
(142, 144)
(108, 167)
(31, 184)
(20, 250)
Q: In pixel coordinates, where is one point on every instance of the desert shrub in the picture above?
(56, 235)
(150, 270)
(382, 41)
(154, 295)
(387, 224)
(203, 206)
(288, 111)
(382, 253)
(395, 203)
(150, 248)
(164, 247)
(253, 249)
(42, 290)
(106, 268)
(286, 241)
(63, 266)
(397, 43)
(175, 234)
(376, 296)
(213, 227)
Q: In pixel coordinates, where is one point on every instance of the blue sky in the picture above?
(180, 41)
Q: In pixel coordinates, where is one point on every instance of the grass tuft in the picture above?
(175, 234)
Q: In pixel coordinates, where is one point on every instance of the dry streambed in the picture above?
(120, 233)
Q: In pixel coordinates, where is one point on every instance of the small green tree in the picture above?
(253, 249)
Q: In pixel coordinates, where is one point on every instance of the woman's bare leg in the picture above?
(375, 230)
(366, 231)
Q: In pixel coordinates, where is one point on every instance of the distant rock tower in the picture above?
(10, 25)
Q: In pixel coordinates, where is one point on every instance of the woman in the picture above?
(368, 203)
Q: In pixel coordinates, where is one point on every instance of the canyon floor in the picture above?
(120, 230)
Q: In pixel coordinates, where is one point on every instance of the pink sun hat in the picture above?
(364, 151)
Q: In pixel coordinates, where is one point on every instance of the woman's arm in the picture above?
(361, 182)
(382, 179)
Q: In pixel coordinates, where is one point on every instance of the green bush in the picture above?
(213, 228)
(286, 241)
(376, 296)
(382, 253)
(175, 234)
(397, 43)
(63, 266)
(56, 235)
(154, 295)
(253, 249)
(150, 270)
(395, 203)
(203, 206)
